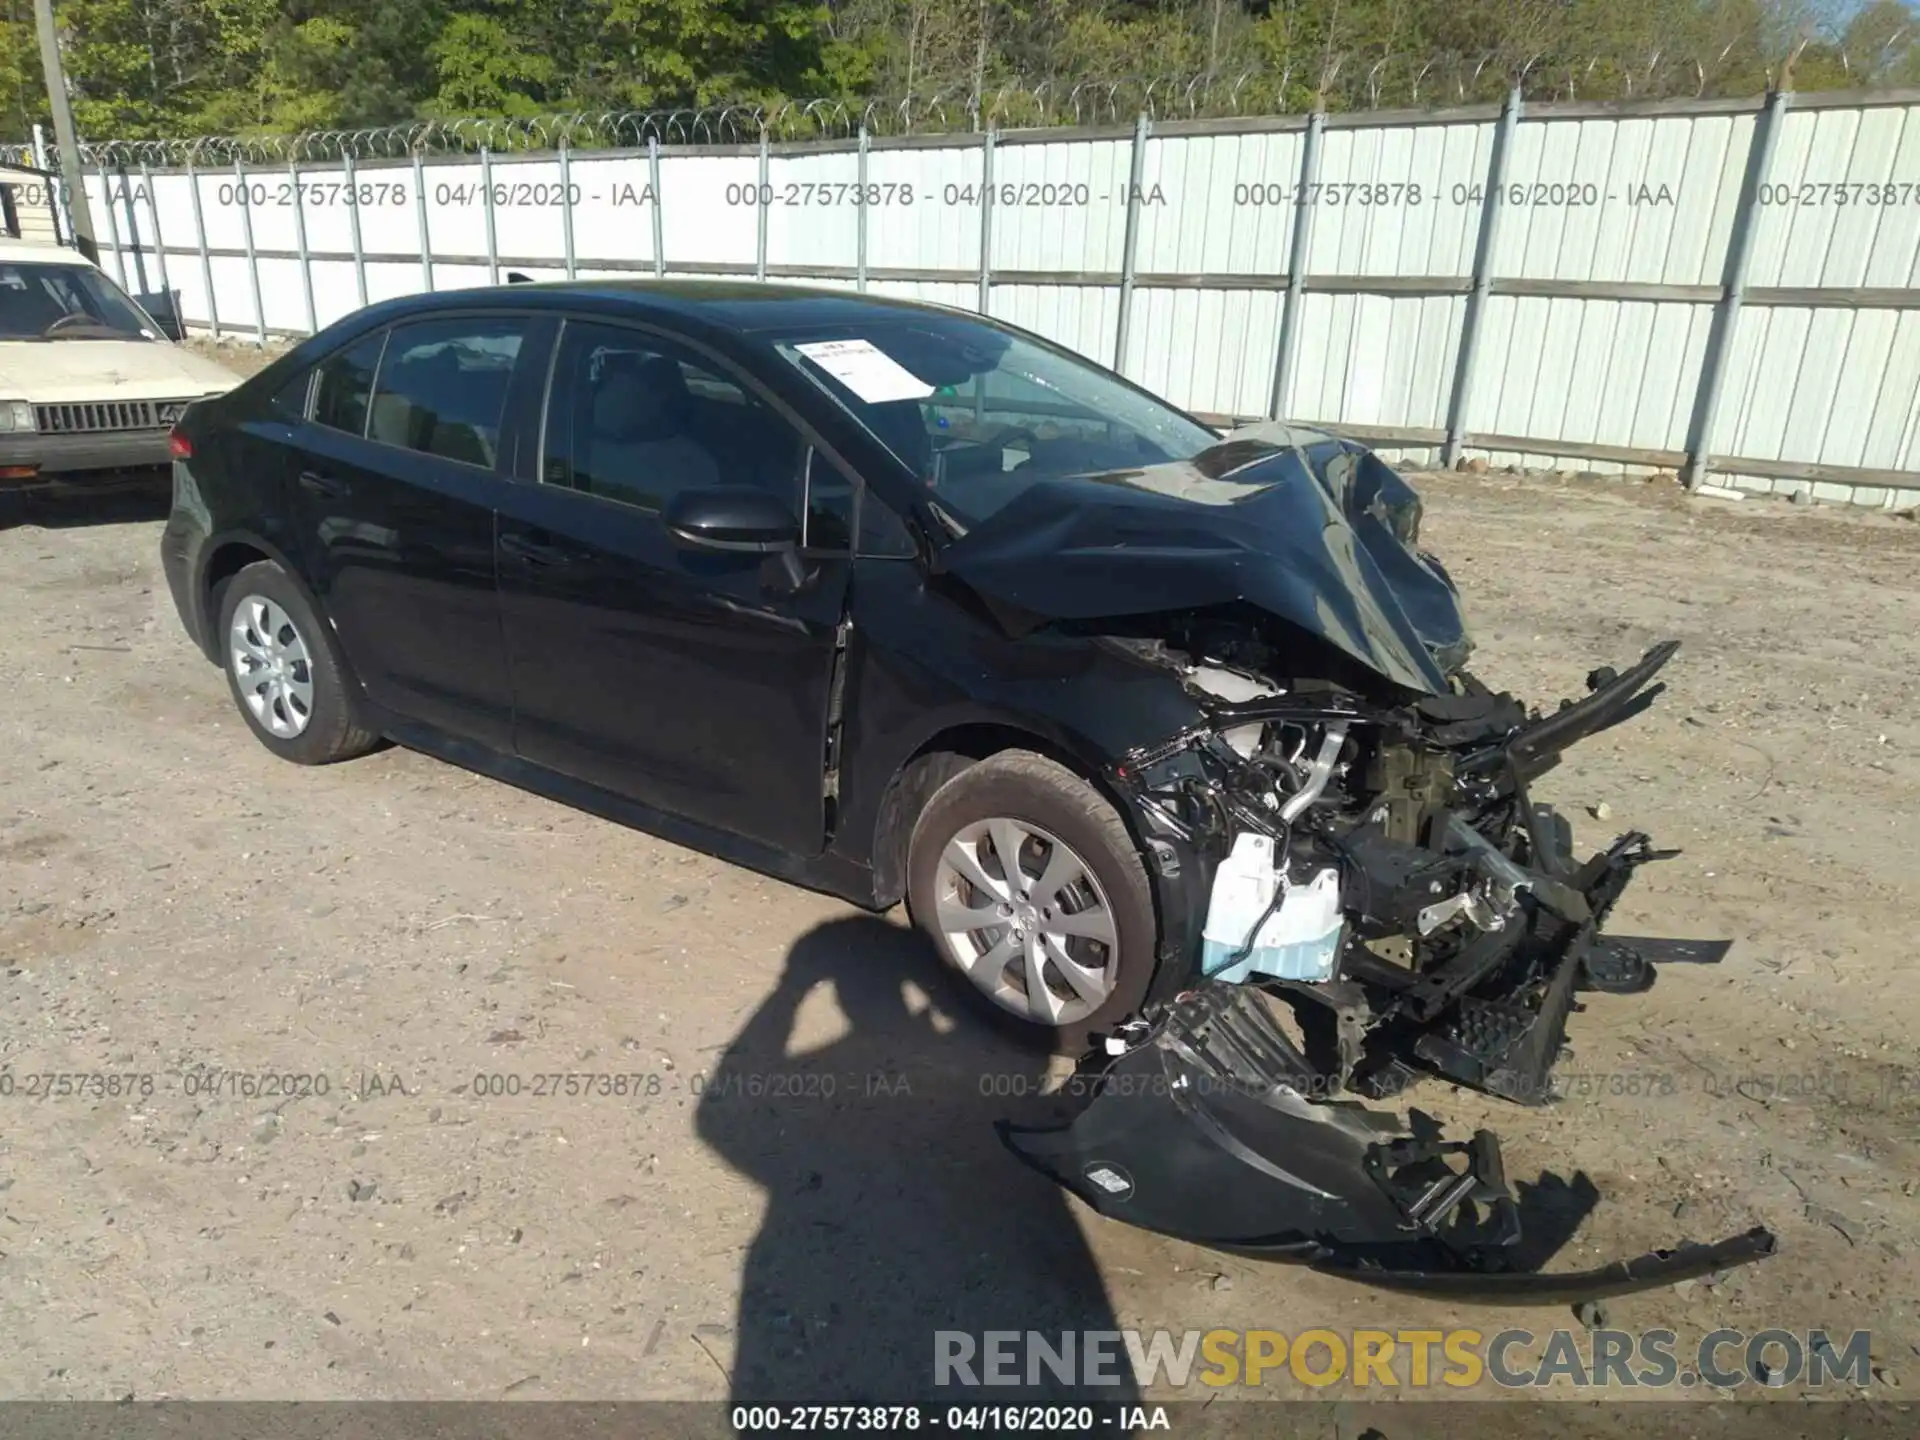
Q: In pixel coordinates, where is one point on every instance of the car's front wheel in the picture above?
(286, 671)
(1026, 880)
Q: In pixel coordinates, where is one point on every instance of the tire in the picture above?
(304, 707)
(991, 927)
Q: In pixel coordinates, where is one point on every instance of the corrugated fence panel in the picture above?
(1635, 199)
(1217, 204)
(1843, 201)
(1060, 205)
(1833, 386)
(1397, 200)
(708, 207)
(1210, 351)
(923, 209)
(614, 217)
(1630, 197)
(1081, 317)
(813, 209)
(1376, 360)
(1211, 205)
(1609, 372)
(526, 210)
(1391, 201)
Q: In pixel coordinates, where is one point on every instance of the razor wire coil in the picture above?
(1332, 81)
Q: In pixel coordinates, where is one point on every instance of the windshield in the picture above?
(66, 302)
(978, 415)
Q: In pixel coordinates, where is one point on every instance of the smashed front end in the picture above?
(1386, 900)
(1389, 902)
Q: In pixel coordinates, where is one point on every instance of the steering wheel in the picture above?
(78, 318)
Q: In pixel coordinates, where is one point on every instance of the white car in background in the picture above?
(90, 385)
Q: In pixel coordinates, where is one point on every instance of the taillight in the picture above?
(181, 447)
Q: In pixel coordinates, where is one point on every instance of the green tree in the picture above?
(486, 69)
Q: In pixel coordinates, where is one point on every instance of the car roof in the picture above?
(741, 306)
(15, 251)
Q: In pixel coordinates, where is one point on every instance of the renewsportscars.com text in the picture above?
(1384, 1359)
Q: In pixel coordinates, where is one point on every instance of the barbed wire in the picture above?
(1333, 81)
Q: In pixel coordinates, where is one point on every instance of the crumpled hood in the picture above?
(1311, 528)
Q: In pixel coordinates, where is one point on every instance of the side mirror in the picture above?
(740, 518)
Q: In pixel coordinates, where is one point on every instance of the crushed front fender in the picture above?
(1206, 1126)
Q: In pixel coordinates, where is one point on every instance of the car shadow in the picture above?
(70, 509)
(893, 1210)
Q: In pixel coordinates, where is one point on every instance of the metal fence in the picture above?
(1723, 287)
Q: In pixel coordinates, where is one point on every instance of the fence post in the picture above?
(763, 195)
(113, 225)
(566, 207)
(1490, 207)
(493, 239)
(206, 260)
(56, 192)
(420, 220)
(860, 235)
(1130, 244)
(986, 217)
(253, 260)
(300, 244)
(159, 240)
(1726, 316)
(353, 227)
(1306, 202)
(133, 230)
(659, 228)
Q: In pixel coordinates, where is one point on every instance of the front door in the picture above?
(396, 491)
(693, 682)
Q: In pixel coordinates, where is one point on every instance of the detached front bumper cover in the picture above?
(1207, 1130)
(1207, 1122)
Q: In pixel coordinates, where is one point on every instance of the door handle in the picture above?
(531, 552)
(324, 484)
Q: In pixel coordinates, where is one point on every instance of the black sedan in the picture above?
(1164, 737)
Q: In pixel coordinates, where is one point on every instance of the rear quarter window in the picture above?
(289, 402)
(346, 385)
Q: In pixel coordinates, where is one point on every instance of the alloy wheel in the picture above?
(1024, 917)
(272, 667)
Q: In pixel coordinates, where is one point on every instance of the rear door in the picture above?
(397, 491)
(691, 681)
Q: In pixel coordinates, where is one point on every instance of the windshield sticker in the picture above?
(866, 370)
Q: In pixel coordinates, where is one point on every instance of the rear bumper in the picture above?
(183, 550)
(84, 459)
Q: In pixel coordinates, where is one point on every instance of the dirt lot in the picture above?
(174, 902)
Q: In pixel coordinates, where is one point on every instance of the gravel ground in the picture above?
(174, 902)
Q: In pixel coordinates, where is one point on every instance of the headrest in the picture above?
(639, 397)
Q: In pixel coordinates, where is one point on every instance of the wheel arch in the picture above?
(939, 758)
(226, 555)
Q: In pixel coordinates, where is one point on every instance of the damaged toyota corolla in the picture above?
(1166, 737)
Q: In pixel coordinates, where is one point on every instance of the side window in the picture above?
(346, 384)
(830, 501)
(636, 418)
(443, 385)
(883, 534)
(290, 400)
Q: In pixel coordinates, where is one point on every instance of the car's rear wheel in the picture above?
(285, 670)
(1028, 883)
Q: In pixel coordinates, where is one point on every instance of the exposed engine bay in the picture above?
(1389, 904)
